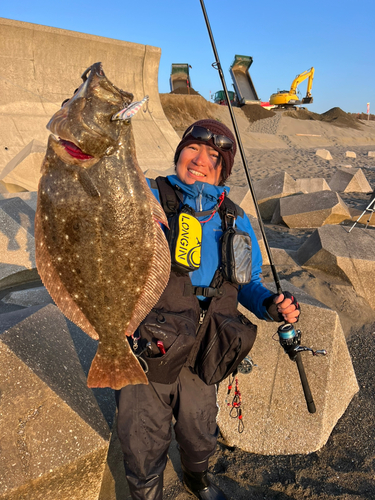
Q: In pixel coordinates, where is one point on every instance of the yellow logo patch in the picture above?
(189, 242)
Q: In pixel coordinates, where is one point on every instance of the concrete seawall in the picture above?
(42, 67)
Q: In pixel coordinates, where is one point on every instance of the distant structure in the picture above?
(242, 82)
(180, 77)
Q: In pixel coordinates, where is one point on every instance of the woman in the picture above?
(204, 160)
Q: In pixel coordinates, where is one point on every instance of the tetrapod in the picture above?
(370, 208)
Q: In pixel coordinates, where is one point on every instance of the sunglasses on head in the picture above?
(202, 134)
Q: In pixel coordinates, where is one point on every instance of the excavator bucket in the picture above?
(307, 100)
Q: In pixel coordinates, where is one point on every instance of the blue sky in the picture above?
(284, 39)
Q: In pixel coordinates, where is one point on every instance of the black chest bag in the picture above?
(211, 337)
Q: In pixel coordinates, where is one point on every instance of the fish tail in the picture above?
(115, 368)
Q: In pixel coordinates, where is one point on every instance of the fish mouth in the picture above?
(74, 150)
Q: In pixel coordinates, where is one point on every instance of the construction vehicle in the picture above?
(219, 98)
(242, 82)
(180, 77)
(289, 98)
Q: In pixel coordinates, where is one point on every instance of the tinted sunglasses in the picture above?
(202, 134)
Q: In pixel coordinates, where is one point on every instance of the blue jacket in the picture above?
(201, 197)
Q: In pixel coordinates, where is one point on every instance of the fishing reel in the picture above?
(246, 366)
(290, 340)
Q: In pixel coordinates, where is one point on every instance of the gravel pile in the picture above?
(267, 125)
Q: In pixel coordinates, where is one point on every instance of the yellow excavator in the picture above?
(289, 98)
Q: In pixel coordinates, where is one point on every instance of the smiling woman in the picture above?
(212, 149)
(198, 162)
(215, 263)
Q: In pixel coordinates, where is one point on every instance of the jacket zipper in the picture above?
(199, 200)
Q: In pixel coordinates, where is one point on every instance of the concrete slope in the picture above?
(42, 67)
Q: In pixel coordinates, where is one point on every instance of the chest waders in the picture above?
(211, 336)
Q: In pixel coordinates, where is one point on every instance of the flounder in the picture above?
(100, 248)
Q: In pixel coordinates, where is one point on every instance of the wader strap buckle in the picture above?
(228, 213)
(204, 291)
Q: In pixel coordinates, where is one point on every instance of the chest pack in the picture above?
(185, 235)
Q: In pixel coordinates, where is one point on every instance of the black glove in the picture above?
(272, 307)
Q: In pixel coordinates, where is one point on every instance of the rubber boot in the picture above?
(198, 484)
(152, 490)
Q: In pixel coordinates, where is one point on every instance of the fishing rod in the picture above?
(289, 338)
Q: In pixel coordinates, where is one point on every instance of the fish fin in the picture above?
(51, 280)
(87, 184)
(157, 210)
(156, 282)
(160, 267)
(84, 179)
(115, 371)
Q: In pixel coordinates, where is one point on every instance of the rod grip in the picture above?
(305, 385)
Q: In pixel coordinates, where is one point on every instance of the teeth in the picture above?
(194, 172)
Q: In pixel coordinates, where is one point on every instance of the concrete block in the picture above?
(54, 438)
(349, 256)
(17, 245)
(20, 212)
(30, 198)
(152, 173)
(283, 259)
(30, 297)
(349, 180)
(270, 189)
(324, 153)
(10, 188)
(311, 210)
(371, 154)
(24, 169)
(275, 416)
(243, 198)
(350, 154)
(312, 185)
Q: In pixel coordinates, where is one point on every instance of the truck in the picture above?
(242, 82)
(289, 98)
(180, 77)
(219, 98)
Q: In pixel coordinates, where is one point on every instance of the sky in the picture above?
(336, 37)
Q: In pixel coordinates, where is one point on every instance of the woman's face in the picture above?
(199, 162)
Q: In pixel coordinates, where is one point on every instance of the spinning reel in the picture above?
(290, 340)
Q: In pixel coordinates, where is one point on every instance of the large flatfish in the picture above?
(100, 248)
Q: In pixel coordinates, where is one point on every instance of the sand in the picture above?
(345, 467)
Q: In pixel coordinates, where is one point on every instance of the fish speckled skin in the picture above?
(100, 250)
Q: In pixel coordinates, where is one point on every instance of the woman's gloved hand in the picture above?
(283, 307)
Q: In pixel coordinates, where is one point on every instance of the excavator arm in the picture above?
(289, 98)
(300, 78)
